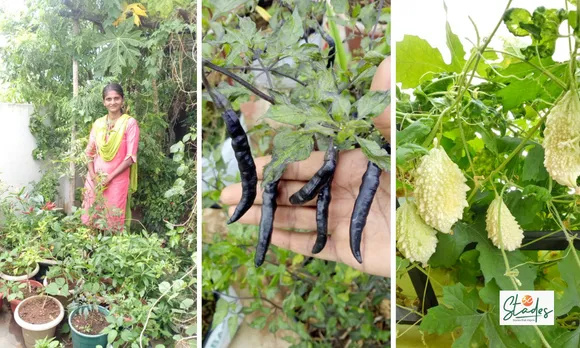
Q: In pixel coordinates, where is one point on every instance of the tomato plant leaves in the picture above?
(372, 103)
(375, 153)
(289, 146)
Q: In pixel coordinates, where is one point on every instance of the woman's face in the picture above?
(113, 101)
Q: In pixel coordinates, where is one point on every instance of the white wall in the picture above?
(17, 167)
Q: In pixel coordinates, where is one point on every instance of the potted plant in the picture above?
(19, 264)
(61, 281)
(48, 343)
(87, 323)
(38, 317)
(87, 319)
(18, 291)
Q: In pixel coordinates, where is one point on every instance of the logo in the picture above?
(527, 300)
(526, 308)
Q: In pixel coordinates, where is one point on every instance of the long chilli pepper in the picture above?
(322, 205)
(269, 206)
(362, 205)
(245, 164)
(242, 152)
(332, 48)
(322, 176)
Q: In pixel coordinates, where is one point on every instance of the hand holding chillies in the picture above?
(362, 205)
(318, 180)
(320, 184)
(351, 165)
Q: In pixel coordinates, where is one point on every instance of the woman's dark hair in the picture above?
(113, 87)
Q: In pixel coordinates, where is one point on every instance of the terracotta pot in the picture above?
(33, 332)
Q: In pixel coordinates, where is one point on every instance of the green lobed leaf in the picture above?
(450, 246)
(492, 263)
(570, 272)
(534, 169)
(373, 103)
(119, 48)
(418, 61)
(457, 307)
(289, 147)
(415, 132)
(531, 84)
(375, 153)
(408, 152)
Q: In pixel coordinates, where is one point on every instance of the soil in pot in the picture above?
(39, 311)
(91, 324)
(31, 289)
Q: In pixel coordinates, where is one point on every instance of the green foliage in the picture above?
(319, 296)
(323, 302)
(155, 64)
(493, 130)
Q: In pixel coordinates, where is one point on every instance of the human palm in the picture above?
(350, 168)
(375, 245)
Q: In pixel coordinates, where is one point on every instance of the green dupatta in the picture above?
(107, 150)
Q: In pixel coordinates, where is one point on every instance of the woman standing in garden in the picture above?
(112, 166)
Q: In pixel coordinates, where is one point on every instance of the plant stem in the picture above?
(511, 155)
(540, 68)
(569, 237)
(150, 312)
(508, 269)
(239, 80)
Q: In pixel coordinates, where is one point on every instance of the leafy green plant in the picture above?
(317, 100)
(19, 261)
(488, 115)
(48, 343)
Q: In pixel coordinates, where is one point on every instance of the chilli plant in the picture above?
(488, 157)
(292, 56)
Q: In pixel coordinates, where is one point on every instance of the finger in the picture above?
(302, 243)
(382, 82)
(383, 123)
(301, 171)
(286, 217)
(232, 194)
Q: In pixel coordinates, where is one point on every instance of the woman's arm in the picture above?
(91, 166)
(91, 152)
(121, 168)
